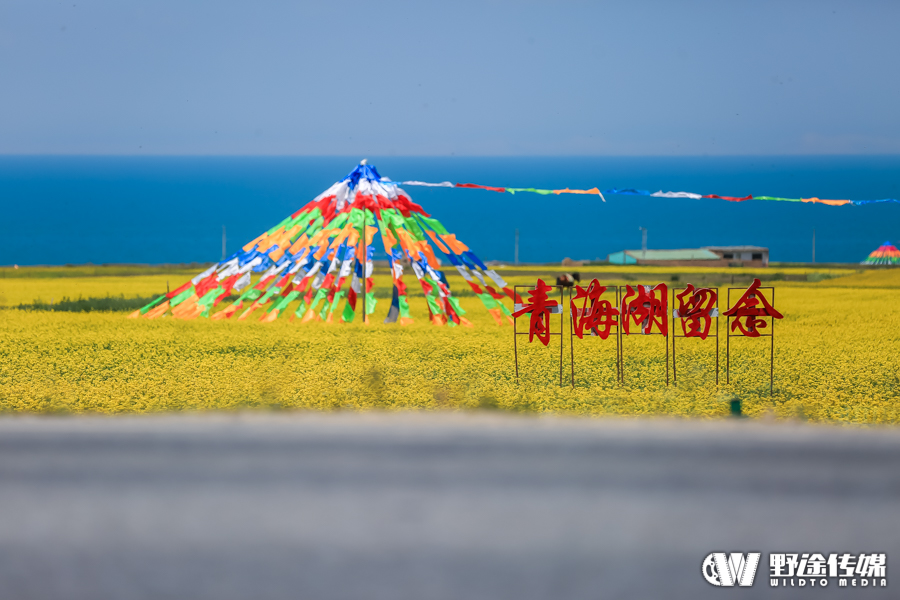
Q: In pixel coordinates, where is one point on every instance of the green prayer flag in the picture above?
(152, 304)
(434, 224)
(414, 229)
(338, 296)
(356, 217)
(488, 301)
(433, 304)
(251, 294)
(394, 217)
(532, 190)
(454, 301)
(370, 303)
(210, 297)
(349, 313)
(282, 224)
(269, 293)
(338, 222)
(320, 295)
(283, 302)
(181, 297)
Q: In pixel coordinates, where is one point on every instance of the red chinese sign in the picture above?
(540, 308)
(695, 309)
(598, 318)
(646, 306)
(749, 311)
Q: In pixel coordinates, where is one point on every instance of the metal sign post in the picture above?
(558, 309)
(713, 314)
(575, 312)
(626, 312)
(770, 335)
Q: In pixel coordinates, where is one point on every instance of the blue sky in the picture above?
(442, 78)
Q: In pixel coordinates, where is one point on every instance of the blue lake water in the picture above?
(59, 210)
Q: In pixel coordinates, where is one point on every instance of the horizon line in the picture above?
(451, 155)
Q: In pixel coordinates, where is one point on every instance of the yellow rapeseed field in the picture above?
(836, 358)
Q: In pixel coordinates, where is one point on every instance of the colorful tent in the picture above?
(887, 254)
(321, 257)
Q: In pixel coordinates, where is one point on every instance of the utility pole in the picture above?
(516, 261)
(814, 246)
(643, 241)
(223, 242)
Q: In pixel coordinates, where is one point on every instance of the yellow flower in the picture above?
(836, 358)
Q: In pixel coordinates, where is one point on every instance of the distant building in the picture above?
(748, 256)
(711, 256)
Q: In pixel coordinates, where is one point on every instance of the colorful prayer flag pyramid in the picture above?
(321, 257)
(887, 254)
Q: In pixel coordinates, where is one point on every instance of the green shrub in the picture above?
(107, 304)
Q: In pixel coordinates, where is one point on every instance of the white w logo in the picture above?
(726, 569)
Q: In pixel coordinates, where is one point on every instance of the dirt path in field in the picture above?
(430, 505)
